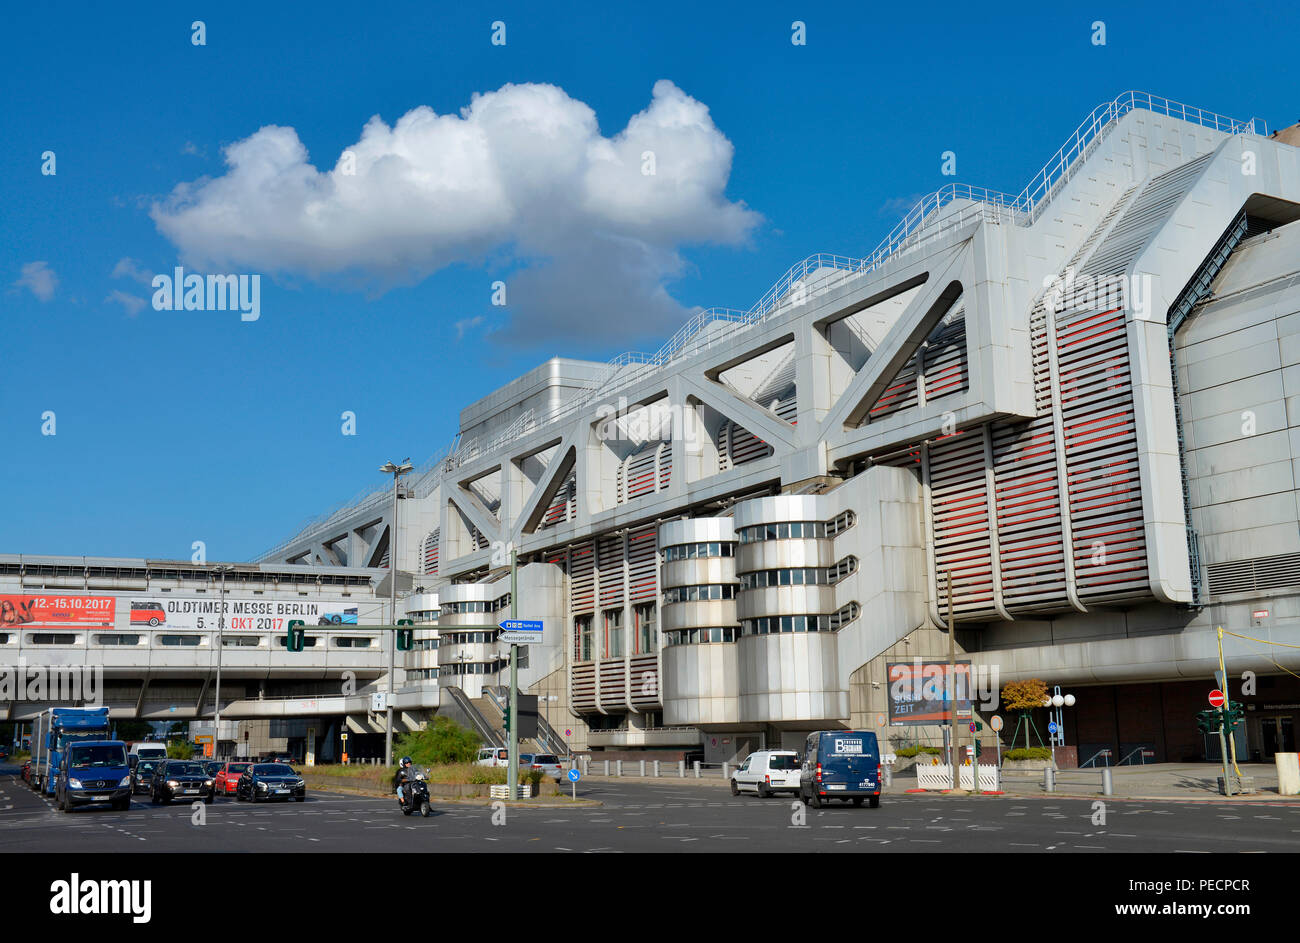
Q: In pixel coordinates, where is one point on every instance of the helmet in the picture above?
(406, 761)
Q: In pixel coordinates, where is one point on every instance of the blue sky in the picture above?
(176, 426)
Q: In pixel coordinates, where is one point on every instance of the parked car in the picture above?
(180, 779)
(548, 763)
(840, 764)
(142, 775)
(493, 756)
(26, 771)
(226, 779)
(93, 771)
(265, 781)
(766, 772)
(4, 753)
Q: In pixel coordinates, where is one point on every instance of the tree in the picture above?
(179, 750)
(1024, 697)
(442, 741)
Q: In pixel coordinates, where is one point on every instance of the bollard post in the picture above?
(656, 769)
(697, 769)
(618, 767)
(1107, 783)
(607, 767)
(642, 768)
(681, 769)
(724, 769)
(1049, 779)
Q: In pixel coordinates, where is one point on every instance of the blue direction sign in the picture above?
(574, 776)
(520, 631)
(1051, 728)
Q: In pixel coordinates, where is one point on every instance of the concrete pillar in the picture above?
(1288, 773)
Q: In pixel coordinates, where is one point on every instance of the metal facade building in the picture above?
(1076, 401)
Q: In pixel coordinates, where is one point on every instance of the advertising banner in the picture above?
(250, 615)
(918, 691)
(56, 610)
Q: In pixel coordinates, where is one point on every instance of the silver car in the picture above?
(548, 763)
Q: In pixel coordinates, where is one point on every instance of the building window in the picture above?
(582, 638)
(613, 619)
(114, 639)
(240, 641)
(308, 641)
(647, 629)
(179, 639)
(51, 638)
(348, 641)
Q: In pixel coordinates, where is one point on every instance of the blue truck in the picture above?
(92, 772)
(56, 728)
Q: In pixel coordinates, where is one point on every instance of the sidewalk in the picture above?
(1186, 781)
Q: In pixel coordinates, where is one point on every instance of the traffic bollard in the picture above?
(607, 767)
(642, 768)
(656, 769)
(618, 766)
(697, 769)
(1107, 783)
(681, 769)
(724, 769)
(1049, 779)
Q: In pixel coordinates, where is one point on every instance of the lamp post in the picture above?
(1054, 705)
(221, 624)
(397, 471)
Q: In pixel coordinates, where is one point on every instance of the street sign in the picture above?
(1051, 728)
(996, 721)
(379, 701)
(972, 727)
(1216, 698)
(343, 737)
(574, 775)
(568, 733)
(520, 631)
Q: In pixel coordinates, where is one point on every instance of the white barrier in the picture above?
(940, 777)
(1288, 773)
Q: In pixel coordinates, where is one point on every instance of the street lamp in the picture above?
(397, 471)
(1054, 705)
(223, 569)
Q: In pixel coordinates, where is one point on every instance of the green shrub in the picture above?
(179, 750)
(442, 741)
(914, 751)
(1028, 753)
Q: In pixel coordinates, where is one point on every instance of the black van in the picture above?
(840, 764)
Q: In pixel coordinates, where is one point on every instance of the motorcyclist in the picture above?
(404, 775)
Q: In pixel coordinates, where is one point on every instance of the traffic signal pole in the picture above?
(512, 736)
(1227, 705)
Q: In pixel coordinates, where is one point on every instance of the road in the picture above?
(652, 817)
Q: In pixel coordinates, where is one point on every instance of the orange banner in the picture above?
(57, 610)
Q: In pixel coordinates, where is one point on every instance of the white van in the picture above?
(146, 751)
(493, 756)
(766, 772)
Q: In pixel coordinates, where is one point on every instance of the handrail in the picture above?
(482, 727)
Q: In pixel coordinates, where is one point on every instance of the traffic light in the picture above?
(1234, 714)
(1207, 721)
(294, 640)
(507, 718)
(405, 637)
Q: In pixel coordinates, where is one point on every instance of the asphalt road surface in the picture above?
(651, 817)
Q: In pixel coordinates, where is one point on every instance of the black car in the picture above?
(211, 766)
(180, 779)
(142, 775)
(265, 781)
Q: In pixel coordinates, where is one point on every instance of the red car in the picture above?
(228, 777)
(27, 771)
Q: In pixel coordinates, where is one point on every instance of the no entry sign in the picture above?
(1216, 698)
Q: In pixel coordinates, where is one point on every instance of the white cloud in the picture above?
(131, 303)
(522, 174)
(467, 324)
(130, 268)
(39, 279)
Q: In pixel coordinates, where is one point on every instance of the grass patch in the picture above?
(918, 750)
(1028, 753)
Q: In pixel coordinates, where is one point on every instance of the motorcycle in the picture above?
(414, 796)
